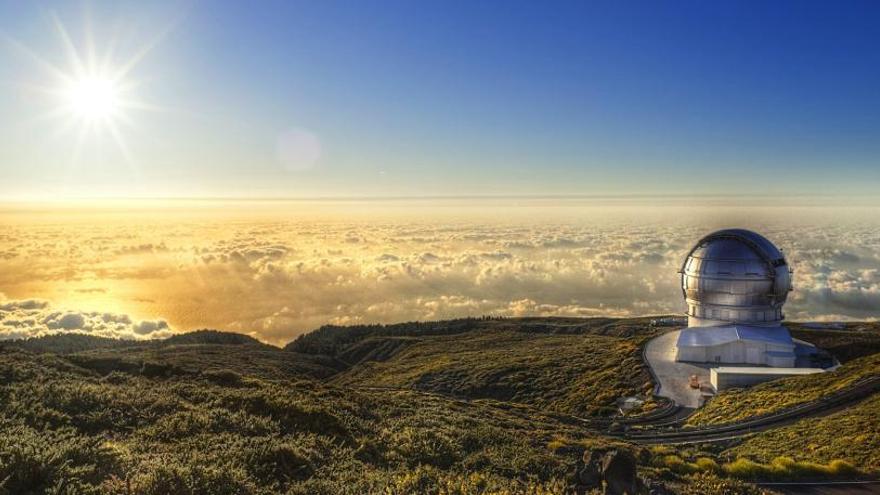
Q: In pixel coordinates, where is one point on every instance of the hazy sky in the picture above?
(303, 99)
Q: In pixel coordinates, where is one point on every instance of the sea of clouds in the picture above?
(276, 276)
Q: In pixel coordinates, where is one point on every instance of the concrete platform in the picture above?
(673, 376)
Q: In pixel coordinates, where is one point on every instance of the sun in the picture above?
(93, 98)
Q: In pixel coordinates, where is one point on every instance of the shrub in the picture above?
(677, 465)
(279, 463)
(840, 467)
(173, 479)
(787, 468)
(226, 378)
(183, 424)
(37, 462)
(711, 484)
(746, 469)
(415, 446)
(707, 465)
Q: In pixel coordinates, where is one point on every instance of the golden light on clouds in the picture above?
(277, 269)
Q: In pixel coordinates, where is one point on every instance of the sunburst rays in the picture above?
(92, 95)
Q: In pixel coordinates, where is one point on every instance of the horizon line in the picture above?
(34, 199)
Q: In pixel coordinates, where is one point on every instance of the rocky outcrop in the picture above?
(619, 473)
(613, 472)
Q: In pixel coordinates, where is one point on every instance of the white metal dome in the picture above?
(735, 276)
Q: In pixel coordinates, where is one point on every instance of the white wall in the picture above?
(723, 381)
(692, 354)
(739, 352)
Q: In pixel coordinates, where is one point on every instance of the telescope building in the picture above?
(735, 282)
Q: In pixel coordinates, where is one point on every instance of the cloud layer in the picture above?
(277, 275)
(33, 318)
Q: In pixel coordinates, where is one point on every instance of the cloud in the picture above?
(66, 321)
(33, 318)
(147, 327)
(23, 305)
(280, 275)
(147, 248)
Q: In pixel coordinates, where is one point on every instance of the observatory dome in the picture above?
(735, 276)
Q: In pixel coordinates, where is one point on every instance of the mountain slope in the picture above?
(580, 370)
(68, 426)
(244, 418)
(735, 404)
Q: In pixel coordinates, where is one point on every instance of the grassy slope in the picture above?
(65, 429)
(736, 404)
(170, 420)
(855, 340)
(70, 428)
(580, 374)
(576, 366)
(852, 435)
(249, 418)
(257, 360)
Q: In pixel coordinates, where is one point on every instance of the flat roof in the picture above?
(765, 370)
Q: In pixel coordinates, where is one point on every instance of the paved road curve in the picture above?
(673, 376)
(829, 404)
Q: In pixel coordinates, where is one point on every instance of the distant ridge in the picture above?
(206, 336)
(70, 343)
(331, 339)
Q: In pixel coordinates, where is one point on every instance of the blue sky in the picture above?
(457, 98)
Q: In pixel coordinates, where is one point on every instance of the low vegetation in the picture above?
(738, 404)
(843, 443)
(777, 469)
(744, 466)
(851, 341)
(576, 374)
(705, 483)
(574, 366)
(65, 428)
(213, 412)
(186, 359)
(850, 436)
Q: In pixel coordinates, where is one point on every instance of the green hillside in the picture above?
(65, 343)
(576, 374)
(735, 404)
(257, 360)
(206, 336)
(213, 412)
(570, 365)
(70, 429)
(852, 341)
(852, 434)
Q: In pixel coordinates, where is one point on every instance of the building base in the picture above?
(724, 377)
